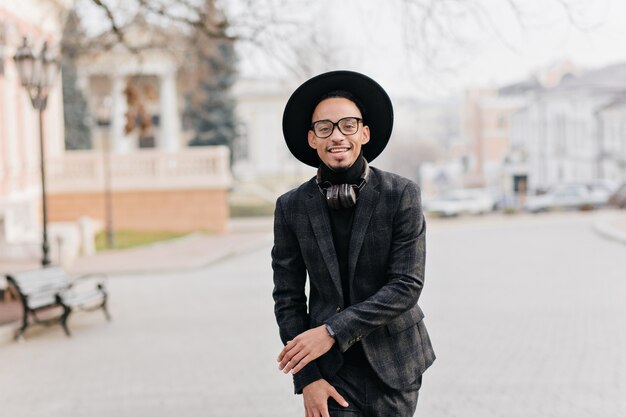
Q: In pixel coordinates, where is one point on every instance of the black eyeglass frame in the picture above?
(336, 125)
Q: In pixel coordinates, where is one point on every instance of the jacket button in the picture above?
(338, 309)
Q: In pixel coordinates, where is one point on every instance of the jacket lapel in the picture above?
(320, 221)
(368, 198)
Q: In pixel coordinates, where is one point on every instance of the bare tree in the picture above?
(261, 24)
(294, 34)
(435, 29)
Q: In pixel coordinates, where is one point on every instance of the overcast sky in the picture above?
(495, 41)
(495, 45)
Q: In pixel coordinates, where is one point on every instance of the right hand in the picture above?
(316, 396)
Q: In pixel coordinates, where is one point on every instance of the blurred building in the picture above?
(20, 186)
(474, 155)
(140, 160)
(486, 119)
(612, 134)
(261, 151)
(491, 154)
(574, 131)
(262, 164)
(133, 178)
(129, 89)
(424, 131)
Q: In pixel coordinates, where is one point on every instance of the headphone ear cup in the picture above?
(332, 197)
(341, 196)
(347, 197)
(352, 193)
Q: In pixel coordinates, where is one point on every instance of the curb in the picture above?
(7, 332)
(604, 229)
(203, 263)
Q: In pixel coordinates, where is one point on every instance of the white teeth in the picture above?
(335, 150)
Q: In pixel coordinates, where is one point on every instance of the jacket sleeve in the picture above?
(405, 276)
(289, 295)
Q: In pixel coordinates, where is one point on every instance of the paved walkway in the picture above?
(189, 252)
(199, 250)
(612, 225)
(544, 338)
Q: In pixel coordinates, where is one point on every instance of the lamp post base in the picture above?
(45, 261)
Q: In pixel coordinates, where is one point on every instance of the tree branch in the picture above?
(114, 27)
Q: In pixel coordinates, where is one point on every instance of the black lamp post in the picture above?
(37, 75)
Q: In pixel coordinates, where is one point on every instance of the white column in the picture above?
(15, 104)
(169, 136)
(120, 144)
(55, 129)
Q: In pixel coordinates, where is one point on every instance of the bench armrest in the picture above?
(98, 279)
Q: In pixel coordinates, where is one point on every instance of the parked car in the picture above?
(601, 192)
(618, 198)
(566, 196)
(461, 201)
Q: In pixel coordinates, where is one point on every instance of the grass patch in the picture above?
(124, 239)
(251, 210)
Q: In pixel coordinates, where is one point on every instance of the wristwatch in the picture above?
(330, 331)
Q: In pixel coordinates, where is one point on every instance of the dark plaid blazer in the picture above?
(386, 276)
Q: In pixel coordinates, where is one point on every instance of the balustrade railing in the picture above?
(87, 171)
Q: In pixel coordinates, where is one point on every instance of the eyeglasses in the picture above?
(324, 128)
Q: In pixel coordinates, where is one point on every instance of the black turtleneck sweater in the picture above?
(341, 225)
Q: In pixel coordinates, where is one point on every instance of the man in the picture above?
(359, 347)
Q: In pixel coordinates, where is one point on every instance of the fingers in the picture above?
(290, 353)
(283, 352)
(337, 397)
(303, 349)
(316, 395)
(317, 411)
(322, 408)
(298, 361)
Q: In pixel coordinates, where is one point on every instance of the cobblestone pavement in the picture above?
(527, 315)
(528, 318)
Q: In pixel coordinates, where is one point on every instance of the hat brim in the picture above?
(300, 106)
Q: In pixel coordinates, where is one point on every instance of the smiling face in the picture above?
(338, 151)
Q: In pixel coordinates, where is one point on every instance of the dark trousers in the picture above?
(368, 396)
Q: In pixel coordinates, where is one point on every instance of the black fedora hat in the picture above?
(378, 112)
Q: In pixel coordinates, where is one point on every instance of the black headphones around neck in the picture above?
(342, 195)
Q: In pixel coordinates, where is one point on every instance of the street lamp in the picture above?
(37, 75)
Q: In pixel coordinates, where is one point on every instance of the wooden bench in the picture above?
(52, 293)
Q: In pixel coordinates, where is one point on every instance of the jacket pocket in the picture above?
(405, 320)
